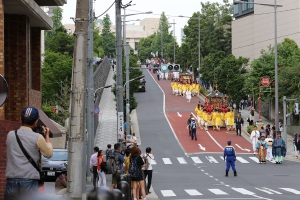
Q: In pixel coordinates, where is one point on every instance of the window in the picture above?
(243, 8)
(136, 46)
(236, 9)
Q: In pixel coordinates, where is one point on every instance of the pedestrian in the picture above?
(298, 144)
(251, 116)
(278, 149)
(268, 129)
(273, 132)
(21, 175)
(229, 155)
(193, 127)
(189, 121)
(93, 165)
(262, 147)
(188, 95)
(135, 170)
(119, 159)
(127, 160)
(242, 104)
(254, 137)
(148, 169)
(108, 152)
(261, 131)
(295, 144)
(269, 141)
(101, 173)
(61, 184)
(158, 74)
(239, 122)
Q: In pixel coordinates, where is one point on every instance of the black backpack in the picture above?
(134, 169)
(104, 167)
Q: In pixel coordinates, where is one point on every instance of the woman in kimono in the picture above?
(262, 147)
(278, 149)
(269, 141)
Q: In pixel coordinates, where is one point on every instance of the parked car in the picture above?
(56, 165)
(142, 86)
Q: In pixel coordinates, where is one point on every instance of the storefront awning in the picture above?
(46, 121)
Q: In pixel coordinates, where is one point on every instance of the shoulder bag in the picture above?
(42, 174)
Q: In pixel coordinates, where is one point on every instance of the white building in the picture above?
(253, 27)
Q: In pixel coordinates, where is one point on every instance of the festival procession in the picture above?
(217, 113)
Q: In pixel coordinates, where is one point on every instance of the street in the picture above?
(184, 170)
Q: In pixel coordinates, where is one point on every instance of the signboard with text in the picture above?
(120, 125)
(265, 81)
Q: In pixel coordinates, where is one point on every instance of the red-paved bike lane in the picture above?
(178, 111)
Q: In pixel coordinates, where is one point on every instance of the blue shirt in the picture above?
(120, 161)
(229, 151)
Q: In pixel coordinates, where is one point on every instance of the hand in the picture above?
(46, 131)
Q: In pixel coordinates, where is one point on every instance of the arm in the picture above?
(45, 146)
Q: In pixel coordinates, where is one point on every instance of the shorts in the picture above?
(139, 178)
(116, 177)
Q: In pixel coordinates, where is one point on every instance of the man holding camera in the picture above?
(22, 177)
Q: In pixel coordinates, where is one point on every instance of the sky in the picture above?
(170, 7)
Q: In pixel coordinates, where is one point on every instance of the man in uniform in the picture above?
(229, 154)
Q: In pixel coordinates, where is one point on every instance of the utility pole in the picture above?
(76, 147)
(90, 91)
(119, 71)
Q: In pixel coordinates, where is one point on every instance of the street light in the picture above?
(127, 100)
(198, 18)
(107, 86)
(276, 54)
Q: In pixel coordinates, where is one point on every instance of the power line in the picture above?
(106, 10)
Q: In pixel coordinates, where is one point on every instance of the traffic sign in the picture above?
(265, 81)
(96, 110)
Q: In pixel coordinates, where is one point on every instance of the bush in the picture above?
(203, 91)
(250, 128)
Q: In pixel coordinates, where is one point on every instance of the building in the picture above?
(253, 27)
(134, 33)
(21, 23)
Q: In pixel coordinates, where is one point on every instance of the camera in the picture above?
(39, 129)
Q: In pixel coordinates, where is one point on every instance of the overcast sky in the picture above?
(170, 7)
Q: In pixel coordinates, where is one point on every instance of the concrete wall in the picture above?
(292, 129)
(252, 33)
(100, 77)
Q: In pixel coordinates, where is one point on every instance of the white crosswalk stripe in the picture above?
(196, 160)
(193, 192)
(211, 159)
(255, 159)
(167, 161)
(181, 160)
(242, 160)
(216, 191)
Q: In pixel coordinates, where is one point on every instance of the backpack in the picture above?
(134, 169)
(108, 153)
(112, 164)
(146, 163)
(193, 125)
(104, 167)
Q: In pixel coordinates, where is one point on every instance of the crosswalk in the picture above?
(231, 191)
(203, 160)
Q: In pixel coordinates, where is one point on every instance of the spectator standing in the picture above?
(21, 176)
(189, 121)
(61, 184)
(101, 173)
(119, 161)
(193, 127)
(93, 165)
(148, 171)
(254, 137)
(108, 152)
(239, 122)
(261, 131)
(135, 170)
(295, 144)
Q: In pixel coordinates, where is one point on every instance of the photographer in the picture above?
(22, 177)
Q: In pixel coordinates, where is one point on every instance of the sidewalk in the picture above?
(289, 143)
(106, 132)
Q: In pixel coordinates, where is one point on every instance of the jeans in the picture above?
(17, 187)
(149, 180)
(194, 135)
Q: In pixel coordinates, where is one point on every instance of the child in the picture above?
(269, 141)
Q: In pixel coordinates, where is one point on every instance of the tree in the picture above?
(144, 47)
(98, 42)
(60, 42)
(108, 37)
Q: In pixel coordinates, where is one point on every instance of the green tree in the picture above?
(144, 47)
(61, 42)
(108, 37)
(98, 42)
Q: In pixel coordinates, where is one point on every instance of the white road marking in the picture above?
(218, 192)
(274, 191)
(179, 115)
(211, 159)
(153, 162)
(242, 148)
(201, 147)
(266, 191)
(242, 160)
(196, 160)
(167, 161)
(168, 193)
(291, 190)
(243, 191)
(181, 160)
(210, 135)
(255, 159)
(193, 192)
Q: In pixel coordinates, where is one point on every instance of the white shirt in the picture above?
(94, 160)
(149, 157)
(254, 135)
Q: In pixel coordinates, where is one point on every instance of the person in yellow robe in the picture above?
(207, 119)
(218, 120)
(230, 120)
(213, 119)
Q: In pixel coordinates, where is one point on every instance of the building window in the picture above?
(236, 9)
(243, 9)
(136, 46)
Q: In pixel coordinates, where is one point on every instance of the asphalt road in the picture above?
(179, 174)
